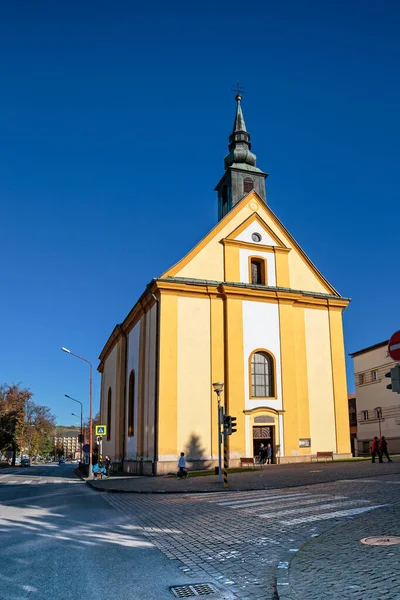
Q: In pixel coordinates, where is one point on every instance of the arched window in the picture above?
(248, 185)
(131, 405)
(257, 271)
(109, 415)
(262, 375)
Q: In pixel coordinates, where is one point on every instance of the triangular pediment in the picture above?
(251, 215)
(254, 225)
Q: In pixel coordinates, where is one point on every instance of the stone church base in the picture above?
(148, 467)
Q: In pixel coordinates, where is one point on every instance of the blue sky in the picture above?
(114, 121)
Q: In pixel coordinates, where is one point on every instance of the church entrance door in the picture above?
(263, 435)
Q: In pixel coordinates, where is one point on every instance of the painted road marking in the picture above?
(266, 498)
(298, 511)
(308, 501)
(27, 481)
(333, 515)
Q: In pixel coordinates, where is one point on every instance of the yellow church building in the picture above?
(245, 307)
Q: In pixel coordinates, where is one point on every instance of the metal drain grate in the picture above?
(190, 591)
(391, 540)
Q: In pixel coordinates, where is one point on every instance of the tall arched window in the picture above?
(248, 185)
(131, 405)
(109, 415)
(262, 375)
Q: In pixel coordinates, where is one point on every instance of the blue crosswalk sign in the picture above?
(101, 429)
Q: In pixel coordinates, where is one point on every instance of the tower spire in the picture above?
(241, 173)
(239, 140)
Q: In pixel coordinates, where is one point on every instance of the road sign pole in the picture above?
(100, 442)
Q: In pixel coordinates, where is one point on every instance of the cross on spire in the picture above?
(239, 89)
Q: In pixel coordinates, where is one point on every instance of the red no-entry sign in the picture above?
(394, 346)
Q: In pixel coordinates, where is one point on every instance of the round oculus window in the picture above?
(256, 237)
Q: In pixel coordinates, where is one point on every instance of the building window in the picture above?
(131, 405)
(248, 185)
(364, 415)
(257, 271)
(378, 413)
(374, 375)
(109, 415)
(262, 375)
(256, 237)
(361, 378)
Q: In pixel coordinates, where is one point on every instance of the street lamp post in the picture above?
(90, 411)
(218, 387)
(74, 415)
(79, 402)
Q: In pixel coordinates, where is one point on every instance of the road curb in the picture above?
(284, 590)
(284, 485)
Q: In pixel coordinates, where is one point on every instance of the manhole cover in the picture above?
(390, 540)
(190, 591)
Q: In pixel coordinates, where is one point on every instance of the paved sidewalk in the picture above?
(337, 565)
(269, 477)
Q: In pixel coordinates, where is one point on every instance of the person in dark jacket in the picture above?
(383, 450)
(107, 464)
(268, 453)
(374, 448)
(261, 452)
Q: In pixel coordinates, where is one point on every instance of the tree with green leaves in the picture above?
(13, 400)
(37, 429)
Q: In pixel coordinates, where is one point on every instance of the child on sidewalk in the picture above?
(183, 472)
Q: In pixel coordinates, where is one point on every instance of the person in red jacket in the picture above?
(374, 448)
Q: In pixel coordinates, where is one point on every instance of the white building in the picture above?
(378, 409)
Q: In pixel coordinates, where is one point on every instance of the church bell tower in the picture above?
(241, 174)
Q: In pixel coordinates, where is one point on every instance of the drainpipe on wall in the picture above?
(156, 392)
(125, 371)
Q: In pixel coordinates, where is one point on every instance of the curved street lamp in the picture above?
(90, 411)
(218, 387)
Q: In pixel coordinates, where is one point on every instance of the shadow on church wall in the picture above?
(195, 452)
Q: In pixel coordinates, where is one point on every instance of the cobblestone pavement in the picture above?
(243, 539)
(338, 564)
(270, 476)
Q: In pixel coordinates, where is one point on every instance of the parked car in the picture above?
(25, 462)
(61, 461)
(48, 459)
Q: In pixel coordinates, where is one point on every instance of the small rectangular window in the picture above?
(364, 415)
(374, 375)
(361, 378)
(257, 271)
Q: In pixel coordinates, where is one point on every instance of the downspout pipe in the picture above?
(157, 386)
(125, 405)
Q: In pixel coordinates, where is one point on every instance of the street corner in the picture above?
(370, 544)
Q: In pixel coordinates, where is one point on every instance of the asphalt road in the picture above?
(62, 540)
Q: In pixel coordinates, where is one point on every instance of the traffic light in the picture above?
(394, 375)
(229, 425)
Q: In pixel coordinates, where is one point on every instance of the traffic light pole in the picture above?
(225, 459)
(220, 421)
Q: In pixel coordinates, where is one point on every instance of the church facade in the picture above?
(245, 307)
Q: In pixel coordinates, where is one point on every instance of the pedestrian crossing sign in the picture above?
(101, 430)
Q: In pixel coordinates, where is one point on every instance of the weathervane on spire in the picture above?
(239, 89)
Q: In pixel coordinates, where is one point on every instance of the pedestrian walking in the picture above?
(107, 464)
(183, 472)
(374, 448)
(268, 453)
(383, 450)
